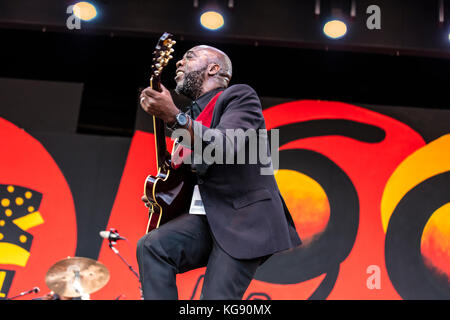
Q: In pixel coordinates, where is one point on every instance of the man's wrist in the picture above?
(182, 120)
(173, 119)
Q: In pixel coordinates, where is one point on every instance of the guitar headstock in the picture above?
(162, 55)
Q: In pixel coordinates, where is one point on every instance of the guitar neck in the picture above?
(162, 155)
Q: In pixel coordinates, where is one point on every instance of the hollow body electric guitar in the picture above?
(170, 191)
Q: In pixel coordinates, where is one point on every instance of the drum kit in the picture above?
(76, 277)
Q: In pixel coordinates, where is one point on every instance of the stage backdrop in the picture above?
(368, 188)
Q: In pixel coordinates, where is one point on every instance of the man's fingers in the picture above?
(147, 202)
(147, 101)
(149, 92)
(143, 101)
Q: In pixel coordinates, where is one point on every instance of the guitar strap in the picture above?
(205, 117)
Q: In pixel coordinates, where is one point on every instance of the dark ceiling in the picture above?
(407, 26)
(278, 49)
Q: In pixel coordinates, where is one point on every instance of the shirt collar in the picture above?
(204, 99)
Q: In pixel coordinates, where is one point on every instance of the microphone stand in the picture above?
(111, 245)
(34, 290)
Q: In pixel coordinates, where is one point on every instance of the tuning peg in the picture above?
(156, 73)
(173, 42)
(158, 65)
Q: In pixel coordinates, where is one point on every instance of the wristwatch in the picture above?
(181, 120)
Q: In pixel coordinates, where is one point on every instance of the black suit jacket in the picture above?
(245, 210)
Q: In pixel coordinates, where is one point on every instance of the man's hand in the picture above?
(159, 104)
(49, 296)
(146, 201)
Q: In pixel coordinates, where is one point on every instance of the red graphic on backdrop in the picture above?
(366, 163)
(336, 161)
(130, 217)
(368, 166)
(37, 206)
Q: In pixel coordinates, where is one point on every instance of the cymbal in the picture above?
(76, 275)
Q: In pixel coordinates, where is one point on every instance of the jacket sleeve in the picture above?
(239, 122)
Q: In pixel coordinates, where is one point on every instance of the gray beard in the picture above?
(192, 84)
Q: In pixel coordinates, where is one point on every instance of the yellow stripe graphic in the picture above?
(424, 163)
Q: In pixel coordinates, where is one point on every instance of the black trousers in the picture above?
(187, 243)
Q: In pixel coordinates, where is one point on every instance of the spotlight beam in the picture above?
(212, 20)
(84, 10)
(335, 29)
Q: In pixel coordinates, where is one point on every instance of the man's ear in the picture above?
(213, 69)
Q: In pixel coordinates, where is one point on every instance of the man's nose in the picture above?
(179, 63)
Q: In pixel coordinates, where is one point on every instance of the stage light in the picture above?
(84, 11)
(212, 20)
(335, 29)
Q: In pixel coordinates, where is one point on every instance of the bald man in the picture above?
(239, 218)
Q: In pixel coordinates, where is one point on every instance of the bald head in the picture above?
(218, 57)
